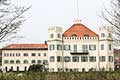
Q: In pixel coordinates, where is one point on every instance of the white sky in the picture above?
(45, 13)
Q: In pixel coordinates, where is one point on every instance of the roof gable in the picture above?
(79, 30)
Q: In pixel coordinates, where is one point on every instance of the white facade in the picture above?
(67, 53)
(11, 59)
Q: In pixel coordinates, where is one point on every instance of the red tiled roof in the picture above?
(79, 30)
(26, 46)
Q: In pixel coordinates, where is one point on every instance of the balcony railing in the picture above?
(80, 53)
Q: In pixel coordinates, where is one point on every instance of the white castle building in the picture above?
(77, 49)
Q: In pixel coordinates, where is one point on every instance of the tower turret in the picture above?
(55, 48)
(106, 55)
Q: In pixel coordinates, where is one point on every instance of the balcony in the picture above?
(80, 53)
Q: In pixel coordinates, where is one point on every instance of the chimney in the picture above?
(45, 42)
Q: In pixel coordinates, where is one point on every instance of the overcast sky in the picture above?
(46, 13)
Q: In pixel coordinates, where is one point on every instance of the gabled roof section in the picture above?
(26, 47)
(79, 30)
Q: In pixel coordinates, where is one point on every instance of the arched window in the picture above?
(17, 68)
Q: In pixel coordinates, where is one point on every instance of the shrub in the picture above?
(34, 68)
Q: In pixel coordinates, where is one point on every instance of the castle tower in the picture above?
(106, 55)
(55, 49)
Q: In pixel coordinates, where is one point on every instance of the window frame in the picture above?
(84, 58)
(52, 47)
(67, 47)
(52, 59)
(92, 47)
(92, 59)
(67, 59)
(75, 58)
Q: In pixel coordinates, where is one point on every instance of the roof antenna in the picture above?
(77, 20)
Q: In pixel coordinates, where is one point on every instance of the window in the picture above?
(59, 47)
(92, 59)
(102, 58)
(25, 68)
(110, 35)
(75, 48)
(6, 54)
(51, 35)
(6, 68)
(59, 58)
(25, 54)
(39, 61)
(11, 61)
(13, 54)
(67, 59)
(52, 59)
(110, 47)
(102, 35)
(110, 58)
(75, 58)
(45, 61)
(10, 54)
(45, 54)
(11, 69)
(17, 68)
(59, 35)
(6, 61)
(66, 47)
(92, 47)
(102, 47)
(86, 35)
(84, 58)
(17, 54)
(33, 54)
(17, 61)
(52, 47)
(74, 35)
(84, 48)
(33, 62)
(25, 61)
(39, 54)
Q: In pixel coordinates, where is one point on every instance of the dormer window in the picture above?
(74, 35)
(102, 35)
(51, 35)
(86, 35)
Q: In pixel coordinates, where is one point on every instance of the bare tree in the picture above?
(11, 17)
(112, 16)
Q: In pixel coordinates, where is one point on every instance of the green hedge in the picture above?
(61, 76)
